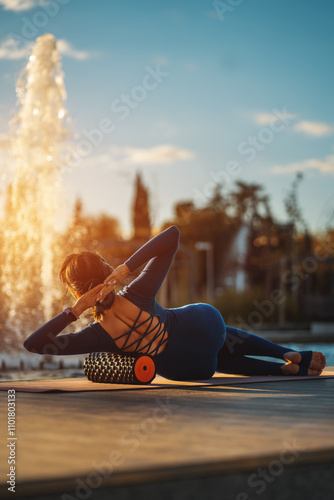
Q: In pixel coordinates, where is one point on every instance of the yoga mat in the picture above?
(84, 385)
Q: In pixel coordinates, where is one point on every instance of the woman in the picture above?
(187, 343)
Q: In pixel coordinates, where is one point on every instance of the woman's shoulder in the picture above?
(123, 307)
(133, 297)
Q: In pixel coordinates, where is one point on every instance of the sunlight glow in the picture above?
(35, 193)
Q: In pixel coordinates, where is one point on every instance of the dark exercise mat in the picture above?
(83, 384)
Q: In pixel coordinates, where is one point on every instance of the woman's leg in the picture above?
(242, 365)
(239, 343)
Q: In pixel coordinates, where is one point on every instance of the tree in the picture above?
(249, 203)
(292, 205)
(251, 207)
(88, 232)
(141, 213)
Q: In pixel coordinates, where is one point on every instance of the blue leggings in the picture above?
(233, 356)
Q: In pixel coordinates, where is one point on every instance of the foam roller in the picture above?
(107, 367)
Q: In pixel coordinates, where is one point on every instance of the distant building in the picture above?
(234, 274)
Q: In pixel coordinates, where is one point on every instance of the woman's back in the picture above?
(134, 329)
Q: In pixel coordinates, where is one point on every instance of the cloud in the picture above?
(122, 157)
(19, 5)
(317, 129)
(325, 165)
(68, 50)
(11, 49)
(164, 153)
(101, 160)
(268, 118)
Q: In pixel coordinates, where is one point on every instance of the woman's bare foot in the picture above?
(318, 361)
(292, 369)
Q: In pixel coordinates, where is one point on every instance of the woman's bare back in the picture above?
(120, 319)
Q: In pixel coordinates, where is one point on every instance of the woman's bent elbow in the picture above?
(175, 229)
(176, 233)
(29, 346)
(26, 345)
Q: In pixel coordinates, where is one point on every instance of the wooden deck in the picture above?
(264, 440)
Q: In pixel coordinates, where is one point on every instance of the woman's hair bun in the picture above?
(101, 307)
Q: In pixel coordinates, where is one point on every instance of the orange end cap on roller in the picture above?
(144, 369)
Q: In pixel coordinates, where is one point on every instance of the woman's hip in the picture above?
(199, 327)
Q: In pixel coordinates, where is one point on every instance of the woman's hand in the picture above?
(116, 277)
(87, 300)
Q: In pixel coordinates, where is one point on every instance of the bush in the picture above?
(254, 307)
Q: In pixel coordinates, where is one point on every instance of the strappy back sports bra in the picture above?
(160, 330)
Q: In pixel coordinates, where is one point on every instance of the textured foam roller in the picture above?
(107, 367)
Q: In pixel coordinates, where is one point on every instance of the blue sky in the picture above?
(247, 82)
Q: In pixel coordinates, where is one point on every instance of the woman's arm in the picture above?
(157, 248)
(45, 341)
(159, 251)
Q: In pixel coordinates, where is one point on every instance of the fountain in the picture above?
(34, 195)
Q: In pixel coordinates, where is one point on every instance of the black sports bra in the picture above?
(160, 330)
